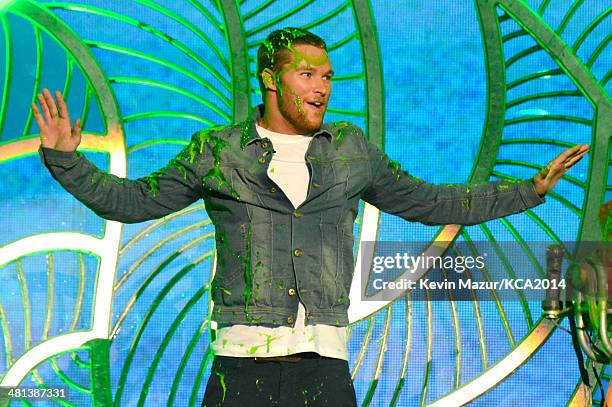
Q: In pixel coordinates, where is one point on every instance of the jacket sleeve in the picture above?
(395, 191)
(166, 190)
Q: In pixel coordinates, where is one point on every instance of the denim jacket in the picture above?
(269, 254)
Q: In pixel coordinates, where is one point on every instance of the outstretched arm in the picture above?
(397, 192)
(167, 190)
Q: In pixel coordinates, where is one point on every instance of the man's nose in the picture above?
(321, 86)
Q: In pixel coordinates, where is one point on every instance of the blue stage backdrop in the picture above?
(455, 91)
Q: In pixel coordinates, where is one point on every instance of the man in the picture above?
(282, 189)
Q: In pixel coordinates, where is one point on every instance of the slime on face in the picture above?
(297, 60)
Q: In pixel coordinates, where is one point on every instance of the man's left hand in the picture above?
(548, 176)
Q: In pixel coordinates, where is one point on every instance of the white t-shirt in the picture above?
(289, 171)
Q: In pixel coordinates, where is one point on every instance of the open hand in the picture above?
(56, 131)
(548, 176)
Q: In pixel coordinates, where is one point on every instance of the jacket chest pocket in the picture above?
(348, 177)
(219, 181)
(237, 183)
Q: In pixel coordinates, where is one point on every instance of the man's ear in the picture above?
(267, 76)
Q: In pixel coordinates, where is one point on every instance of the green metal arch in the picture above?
(239, 60)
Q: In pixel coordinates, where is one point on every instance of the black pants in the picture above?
(313, 381)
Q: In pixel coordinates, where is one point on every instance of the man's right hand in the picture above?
(54, 124)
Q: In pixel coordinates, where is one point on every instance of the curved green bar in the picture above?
(327, 16)
(277, 19)
(524, 53)
(552, 142)
(156, 225)
(196, 4)
(203, 365)
(166, 341)
(533, 118)
(519, 239)
(504, 259)
(145, 27)
(42, 18)
(167, 114)
(68, 80)
(239, 61)
(37, 38)
(543, 6)
(185, 23)
(542, 95)
(598, 51)
(6, 337)
(342, 42)
(85, 111)
(527, 347)
(498, 304)
(575, 69)
(590, 28)
(428, 350)
(62, 375)
(496, 79)
(568, 16)
(150, 278)
(147, 318)
(537, 168)
(345, 112)
(163, 62)
(7, 73)
(152, 142)
(524, 79)
(184, 360)
(257, 9)
(372, 67)
(162, 85)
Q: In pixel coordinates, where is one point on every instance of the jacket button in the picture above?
(273, 190)
(297, 252)
(261, 160)
(297, 214)
(264, 144)
(290, 319)
(315, 185)
(292, 291)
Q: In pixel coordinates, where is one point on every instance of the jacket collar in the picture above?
(248, 133)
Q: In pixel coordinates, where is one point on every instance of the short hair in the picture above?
(274, 52)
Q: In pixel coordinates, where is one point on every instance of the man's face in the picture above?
(303, 88)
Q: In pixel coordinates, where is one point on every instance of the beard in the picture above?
(303, 117)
